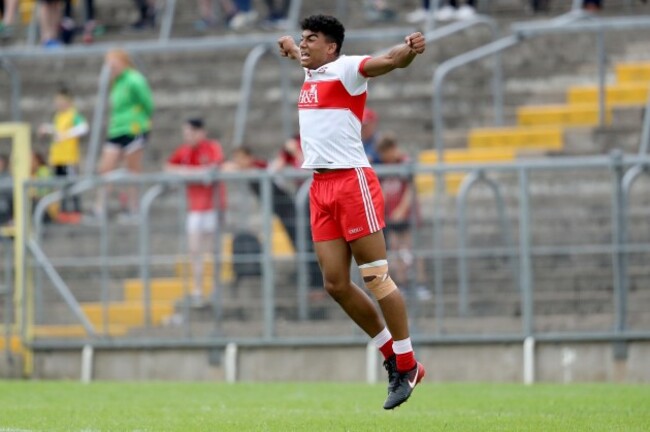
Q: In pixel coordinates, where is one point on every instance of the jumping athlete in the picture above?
(346, 203)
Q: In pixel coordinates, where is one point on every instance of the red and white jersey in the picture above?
(330, 109)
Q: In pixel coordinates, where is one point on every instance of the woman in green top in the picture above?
(130, 120)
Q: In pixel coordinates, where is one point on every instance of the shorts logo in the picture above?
(355, 230)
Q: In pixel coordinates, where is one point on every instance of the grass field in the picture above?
(65, 406)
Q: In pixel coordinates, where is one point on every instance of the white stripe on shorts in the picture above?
(371, 215)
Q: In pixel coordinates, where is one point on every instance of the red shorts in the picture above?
(345, 203)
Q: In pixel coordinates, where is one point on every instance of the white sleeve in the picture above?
(352, 75)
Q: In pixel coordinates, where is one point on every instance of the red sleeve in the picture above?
(217, 152)
(361, 65)
(176, 157)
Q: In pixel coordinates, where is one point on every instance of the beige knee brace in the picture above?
(375, 276)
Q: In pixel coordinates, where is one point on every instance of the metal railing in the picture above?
(516, 178)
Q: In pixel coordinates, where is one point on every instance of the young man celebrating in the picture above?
(346, 203)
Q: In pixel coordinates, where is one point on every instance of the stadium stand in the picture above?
(550, 109)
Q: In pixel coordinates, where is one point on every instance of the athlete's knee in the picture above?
(378, 281)
(336, 287)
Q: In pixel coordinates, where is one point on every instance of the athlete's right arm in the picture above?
(288, 48)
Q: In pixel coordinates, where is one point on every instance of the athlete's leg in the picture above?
(334, 257)
(372, 248)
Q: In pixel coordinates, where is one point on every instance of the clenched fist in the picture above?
(288, 47)
(416, 42)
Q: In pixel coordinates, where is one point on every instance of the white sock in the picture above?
(402, 346)
(382, 337)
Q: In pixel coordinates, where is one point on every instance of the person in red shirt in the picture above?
(199, 155)
(401, 210)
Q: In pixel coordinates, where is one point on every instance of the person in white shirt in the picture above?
(346, 202)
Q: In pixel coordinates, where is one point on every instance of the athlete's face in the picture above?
(315, 50)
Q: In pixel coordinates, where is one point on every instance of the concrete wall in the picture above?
(555, 362)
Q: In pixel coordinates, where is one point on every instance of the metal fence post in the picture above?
(438, 265)
(144, 239)
(619, 239)
(268, 277)
(525, 262)
(303, 255)
(644, 146)
(602, 71)
(461, 214)
(98, 120)
(16, 88)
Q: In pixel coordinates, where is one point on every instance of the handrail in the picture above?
(60, 285)
(494, 47)
(471, 180)
(104, 84)
(14, 77)
(246, 89)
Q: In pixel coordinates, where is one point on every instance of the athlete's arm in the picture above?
(398, 57)
(288, 48)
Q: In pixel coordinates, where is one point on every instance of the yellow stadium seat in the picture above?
(542, 138)
(15, 346)
(616, 95)
(633, 72)
(126, 313)
(74, 331)
(164, 289)
(561, 115)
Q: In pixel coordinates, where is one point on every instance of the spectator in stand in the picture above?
(50, 14)
(6, 192)
(450, 10)
(238, 14)
(283, 203)
(278, 11)
(378, 11)
(592, 5)
(129, 123)
(401, 212)
(369, 134)
(147, 11)
(8, 10)
(199, 155)
(69, 28)
(67, 127)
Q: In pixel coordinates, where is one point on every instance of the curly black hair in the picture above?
(329, 26)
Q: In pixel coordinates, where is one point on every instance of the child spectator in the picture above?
(65, 130)
(199, 155)
(401, 212)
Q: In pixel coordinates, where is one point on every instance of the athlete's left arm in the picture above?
(398, 57)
